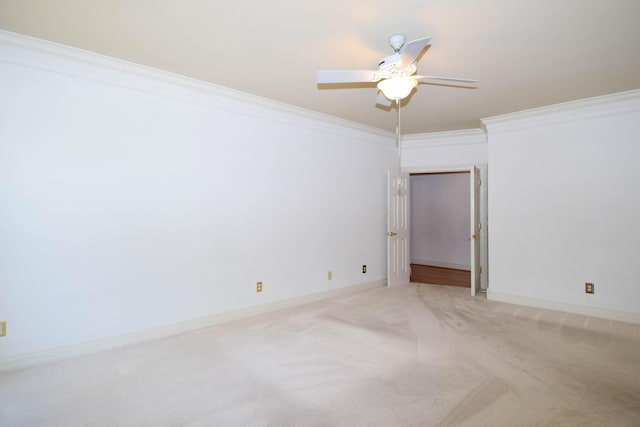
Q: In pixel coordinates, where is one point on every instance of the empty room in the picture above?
(322, 213)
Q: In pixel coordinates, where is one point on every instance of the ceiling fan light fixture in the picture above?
(397, 88)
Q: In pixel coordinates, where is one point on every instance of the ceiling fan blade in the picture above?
(383, 100)
(412, 50)
(348, 76)
(448, 79)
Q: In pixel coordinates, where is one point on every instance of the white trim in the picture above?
(614, 104)
(40, 54)
(448, 138)
(569, 308)
(51, 355)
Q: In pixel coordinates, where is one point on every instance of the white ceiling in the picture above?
(525, 53)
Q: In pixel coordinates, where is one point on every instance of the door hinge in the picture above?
(479, 182)
(479, 226)
(480, 269)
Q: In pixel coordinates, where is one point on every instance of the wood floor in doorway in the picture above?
(440, 275)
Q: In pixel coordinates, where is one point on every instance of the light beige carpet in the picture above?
(417, 356)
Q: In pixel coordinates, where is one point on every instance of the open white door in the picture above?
(476, 229)
(398, 261)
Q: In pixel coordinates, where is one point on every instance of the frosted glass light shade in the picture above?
(397, 87)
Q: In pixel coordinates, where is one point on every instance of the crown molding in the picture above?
(49, 56)
(584, 109)
(434, 139)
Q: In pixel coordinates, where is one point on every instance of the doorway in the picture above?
(440, 217)
(399, 200)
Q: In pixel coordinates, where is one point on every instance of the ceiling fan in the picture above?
(396, 74)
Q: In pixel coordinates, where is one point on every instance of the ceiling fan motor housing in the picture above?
(388, 68)
(389, 60)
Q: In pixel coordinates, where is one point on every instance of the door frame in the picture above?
(484, 233)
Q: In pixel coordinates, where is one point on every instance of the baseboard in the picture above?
(52, 355)
(441, 264)
(569, 308)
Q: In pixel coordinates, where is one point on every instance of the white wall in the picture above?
(440, 220)
(132, 198)
(564, 203)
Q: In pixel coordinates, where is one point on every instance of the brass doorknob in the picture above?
(475, 236)
(391, 234)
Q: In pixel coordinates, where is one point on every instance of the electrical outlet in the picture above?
(364, 269)
(589, 288)
(3, 329)
(259, 287)
(329, 275)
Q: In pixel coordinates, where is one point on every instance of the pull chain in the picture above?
(398, 135)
